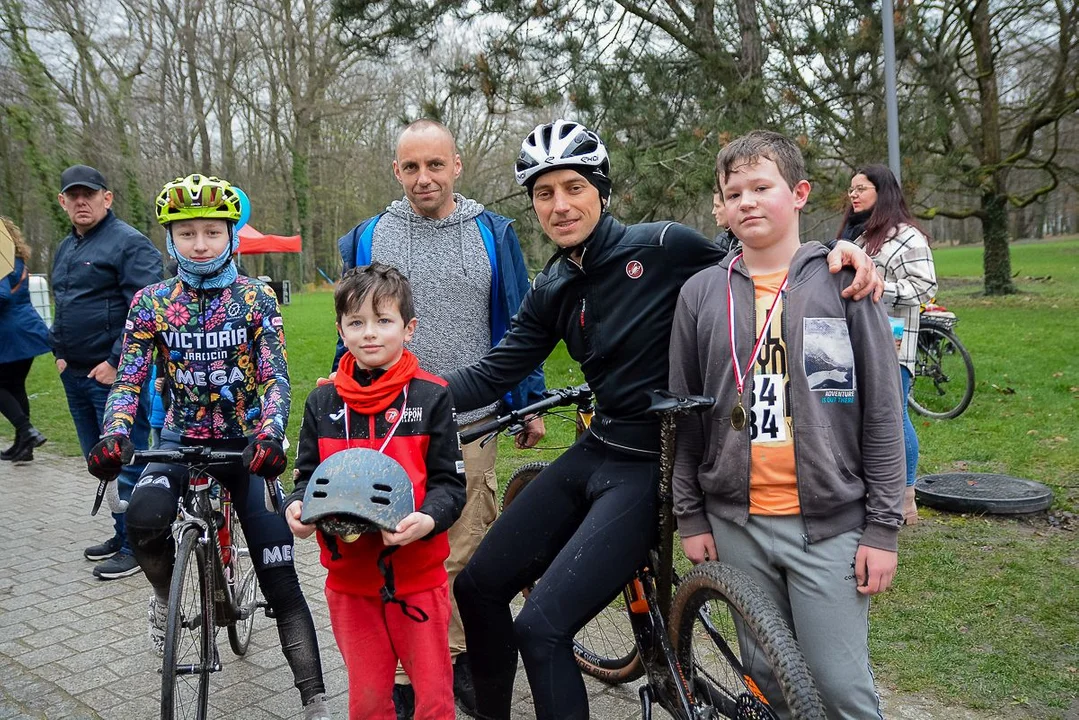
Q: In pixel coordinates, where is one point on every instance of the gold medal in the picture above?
(738, 417)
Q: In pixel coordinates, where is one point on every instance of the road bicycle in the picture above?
(685, 634)
(943, 372)
(213, 582)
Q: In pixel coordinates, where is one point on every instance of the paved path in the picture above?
(72, 646)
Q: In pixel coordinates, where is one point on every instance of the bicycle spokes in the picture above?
(718, 669)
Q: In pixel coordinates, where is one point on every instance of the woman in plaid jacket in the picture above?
(879, 221)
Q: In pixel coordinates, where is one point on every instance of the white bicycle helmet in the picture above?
(562, 143)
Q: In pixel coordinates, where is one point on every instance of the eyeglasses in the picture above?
(859, 189)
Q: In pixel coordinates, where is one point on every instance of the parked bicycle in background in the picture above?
(943, 371)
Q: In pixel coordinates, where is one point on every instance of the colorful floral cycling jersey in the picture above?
(224, 356)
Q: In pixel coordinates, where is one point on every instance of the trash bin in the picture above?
(39, 296)
(281, 289)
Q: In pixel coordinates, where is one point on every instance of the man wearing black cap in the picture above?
(97, 269)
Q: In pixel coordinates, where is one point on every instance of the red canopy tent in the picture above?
(252, 242)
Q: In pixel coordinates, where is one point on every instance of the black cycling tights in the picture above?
(586, 524)
(149, 519)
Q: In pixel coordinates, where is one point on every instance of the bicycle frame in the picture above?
(648, 602)
(195, 509)
(687, 692)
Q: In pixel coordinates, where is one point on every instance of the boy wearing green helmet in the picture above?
(221, 337)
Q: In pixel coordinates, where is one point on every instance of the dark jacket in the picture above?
(425, 443)
(93, 280)
(842, 397)
(613, 311)
(509, 283)
(23, 331)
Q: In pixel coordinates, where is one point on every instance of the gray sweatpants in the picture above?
(814, 587)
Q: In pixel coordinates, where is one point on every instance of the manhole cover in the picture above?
(982, 493)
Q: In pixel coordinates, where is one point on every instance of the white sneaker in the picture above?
(158, 614)
(315, 709)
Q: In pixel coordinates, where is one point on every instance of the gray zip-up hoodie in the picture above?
(450, 272)
(848, 443)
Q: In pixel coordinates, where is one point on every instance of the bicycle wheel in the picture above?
(245, 589)
(943, 375)
(189, 633)
(721, 625)
(605, 647)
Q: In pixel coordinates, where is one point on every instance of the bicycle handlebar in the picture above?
(560, 397)
(188, 455)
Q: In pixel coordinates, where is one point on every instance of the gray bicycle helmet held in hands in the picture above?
(562, 143)
(357, 491)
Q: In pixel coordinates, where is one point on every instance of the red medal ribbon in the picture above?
(739, 376)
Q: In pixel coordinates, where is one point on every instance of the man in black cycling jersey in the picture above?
(588, 520)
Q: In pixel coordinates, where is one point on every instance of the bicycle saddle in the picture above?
(355, 491)
(664, 401)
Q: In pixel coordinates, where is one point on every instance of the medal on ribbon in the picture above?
(739, 416)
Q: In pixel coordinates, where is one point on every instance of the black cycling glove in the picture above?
(265, 457)
(110, 454)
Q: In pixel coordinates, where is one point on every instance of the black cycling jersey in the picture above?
(613, 309)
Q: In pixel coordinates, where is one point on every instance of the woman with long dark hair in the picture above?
(879, 221)
(25, 337)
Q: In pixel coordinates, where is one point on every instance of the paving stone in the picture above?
(74, 647)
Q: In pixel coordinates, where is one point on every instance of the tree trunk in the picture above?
(994, 207)
(996, 260)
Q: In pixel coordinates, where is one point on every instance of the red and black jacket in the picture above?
(425, 443)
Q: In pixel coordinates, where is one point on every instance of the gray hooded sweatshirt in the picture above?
(450, 272)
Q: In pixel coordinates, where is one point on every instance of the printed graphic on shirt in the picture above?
(225, 365)
(828, 359)
(768, 417)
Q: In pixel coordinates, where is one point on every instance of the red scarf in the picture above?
(376, 397)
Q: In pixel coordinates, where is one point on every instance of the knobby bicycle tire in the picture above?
(189, 632)
(244, 588)
(944, 375)
(719, 589)
(605, 647)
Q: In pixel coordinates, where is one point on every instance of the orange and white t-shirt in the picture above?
(773, 485)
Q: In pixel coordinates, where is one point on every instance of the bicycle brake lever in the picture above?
(273, 492)
(99, 496)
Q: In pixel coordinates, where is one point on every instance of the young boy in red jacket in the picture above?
(381, 399)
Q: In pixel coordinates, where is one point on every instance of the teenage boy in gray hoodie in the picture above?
(814, 521)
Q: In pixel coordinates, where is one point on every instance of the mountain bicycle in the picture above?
(688, 645)
(213, 582)
(943, 372)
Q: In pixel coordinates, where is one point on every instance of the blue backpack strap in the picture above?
(490, 243)
(363, 243)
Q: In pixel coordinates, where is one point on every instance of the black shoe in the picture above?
(118, 566)
(6, 454)
(105, 550)
(463, 689)
(25, 442)
(404, 701)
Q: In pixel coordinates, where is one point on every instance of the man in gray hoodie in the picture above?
(468, 277)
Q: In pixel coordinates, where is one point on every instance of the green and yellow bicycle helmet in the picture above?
(198, 196)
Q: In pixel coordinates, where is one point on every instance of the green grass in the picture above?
(985, 611)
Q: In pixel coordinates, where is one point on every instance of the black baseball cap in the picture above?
(83, 175)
